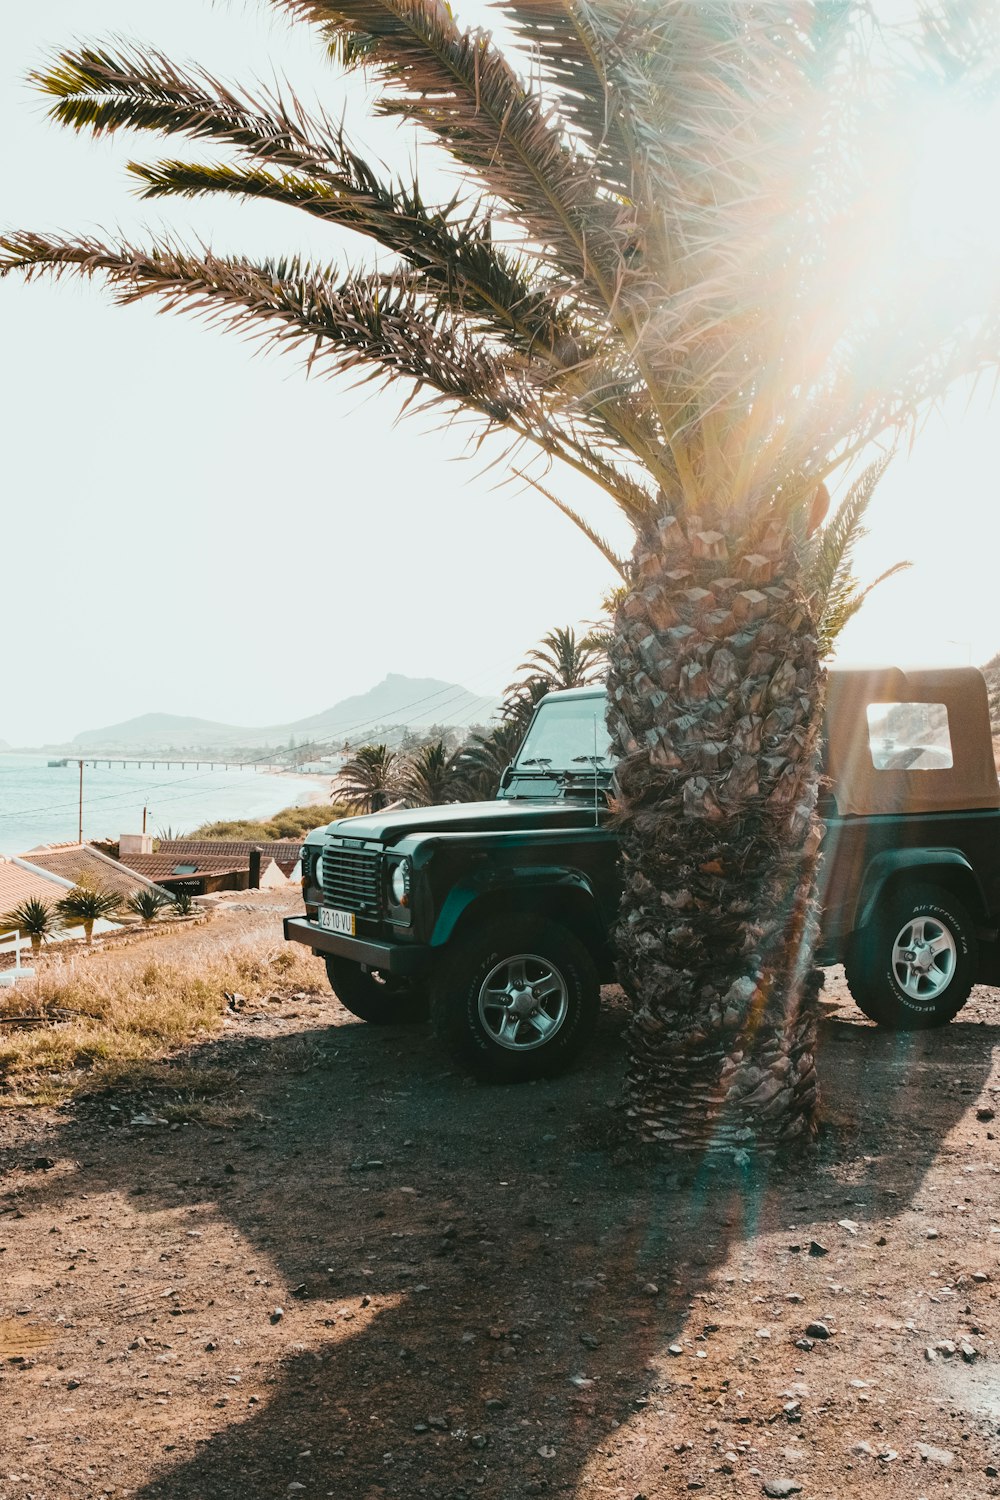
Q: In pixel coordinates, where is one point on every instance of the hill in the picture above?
(413, 701)
(154, 729)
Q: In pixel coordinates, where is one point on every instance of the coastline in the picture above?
(40, 805)
(321, 792)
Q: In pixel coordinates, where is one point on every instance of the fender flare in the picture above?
(892, 862)
(522, 883)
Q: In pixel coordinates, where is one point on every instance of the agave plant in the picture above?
(680, 264)
(182, 903)
(147, 902)
(33, 918)
(84, 905)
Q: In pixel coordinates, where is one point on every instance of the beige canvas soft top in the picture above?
(885, 754)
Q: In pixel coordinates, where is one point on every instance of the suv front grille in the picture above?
(350, 878)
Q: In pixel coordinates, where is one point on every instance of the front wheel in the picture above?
(914, 964)
(516, 999)
(380, 999)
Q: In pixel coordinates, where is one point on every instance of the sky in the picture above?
(191, 528)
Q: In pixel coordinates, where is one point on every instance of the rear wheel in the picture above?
(380, 999)
(516, 998)
(914, 964)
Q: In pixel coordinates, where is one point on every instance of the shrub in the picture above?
(147, 903)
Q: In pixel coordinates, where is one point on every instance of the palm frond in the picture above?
(104, 89)
(842, 603)
(832, 548)
(458, 85)
(577, 44)
(828, 572)
(477, 279)
(601, 543)
(372, 323)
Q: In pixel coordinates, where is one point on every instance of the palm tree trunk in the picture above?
(88, 931)
(715, 695)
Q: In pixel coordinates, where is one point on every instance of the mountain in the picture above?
(413, 701)
(396, 700)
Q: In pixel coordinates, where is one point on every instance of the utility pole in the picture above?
(79, 838)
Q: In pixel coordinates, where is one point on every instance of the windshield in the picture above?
(565, 735)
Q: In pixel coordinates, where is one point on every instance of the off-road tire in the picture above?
(468, 1018)
(875, 973)
(380, 999)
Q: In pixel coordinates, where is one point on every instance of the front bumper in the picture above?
(408, 959)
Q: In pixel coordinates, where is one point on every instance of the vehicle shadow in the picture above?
(480, 1294)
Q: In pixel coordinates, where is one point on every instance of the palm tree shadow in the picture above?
(489, 1294)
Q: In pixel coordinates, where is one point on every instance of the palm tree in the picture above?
(680, 263)
(84, 905)
(429, 776)
(34, 917)
(482, 760)
(564, 661)
(368, 781)
(520, 701)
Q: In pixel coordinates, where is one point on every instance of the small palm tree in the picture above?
(33, 917)
(483, 759)
(565, 661)
(430, 776)
(368, 781)
(520, 701)
(147, 903)
(84, 905)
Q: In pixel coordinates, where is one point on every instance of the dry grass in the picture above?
(114, 1017)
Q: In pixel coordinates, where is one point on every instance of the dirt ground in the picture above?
(384, 1280)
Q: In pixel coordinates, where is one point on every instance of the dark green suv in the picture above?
(498, 915)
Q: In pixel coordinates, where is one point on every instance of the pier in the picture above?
(168, 765)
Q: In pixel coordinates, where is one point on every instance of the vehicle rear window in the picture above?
(909, 736)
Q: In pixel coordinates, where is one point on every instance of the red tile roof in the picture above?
(76, 862)
(164, 866)
(286, 853)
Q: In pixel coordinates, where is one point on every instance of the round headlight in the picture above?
(399, 884)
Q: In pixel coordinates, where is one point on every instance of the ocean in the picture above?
(39, 804)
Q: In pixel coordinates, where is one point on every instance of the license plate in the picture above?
(336, 921)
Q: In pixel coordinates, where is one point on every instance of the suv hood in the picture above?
(465, 817)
